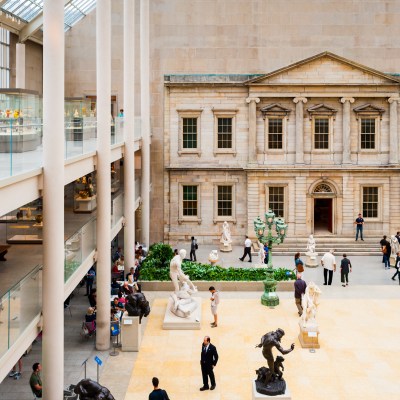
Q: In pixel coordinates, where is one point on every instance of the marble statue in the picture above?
(261, 253)
(310, 302)
(310, 244)
(269, 380)
(213, 257)
(226, 239)
(311, 260)
(137, 306)
(183, 304)
(91, 390)
(76, 113)
(395, 246)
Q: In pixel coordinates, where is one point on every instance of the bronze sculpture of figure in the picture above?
(137, 306)
(91, 390)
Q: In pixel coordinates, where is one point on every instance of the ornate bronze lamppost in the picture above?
(270, 298)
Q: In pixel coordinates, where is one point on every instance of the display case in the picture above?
(80, 120)
(85, 194)
(20, 120)
(25, 224)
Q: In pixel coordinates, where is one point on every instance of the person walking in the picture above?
(298, 264)
(345, 268)
(383, 243)
(299, 289)
(214, 305)
(193, 247)
(157, 393)
(14, 374)
(35, 382)
(397, 266)
(247, 249)
(208, 360)
(359, 222)
(329, 263)
(386, 250)
(90, 280)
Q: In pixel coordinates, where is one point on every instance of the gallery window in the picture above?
(189, 201)
(189, 131)
(370, 201)
(4, 58)
(275, 133)
(276, 200)
(275, 124)
(224, 132)
(225, 201)
(368, 130)
(321, 133)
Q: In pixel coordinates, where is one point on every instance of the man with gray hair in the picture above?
(329, 263)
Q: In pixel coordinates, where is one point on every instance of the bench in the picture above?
(3, 251)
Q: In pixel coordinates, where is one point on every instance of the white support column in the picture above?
(53, 199)
(145, 113)
(103, 76)
(20, 66)
(346, 132)
(299, 101)
(393, 139)
(252, 101)
(129, 116)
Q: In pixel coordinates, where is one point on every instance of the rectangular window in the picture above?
(370, 202)
(4, 58)
(275, 133)
(189, 126)
(321, 133)
(225, 201)
(276, 200)
(189, 201)
(224, 133)
(368, 133)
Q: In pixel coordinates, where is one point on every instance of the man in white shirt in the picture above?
(329, 263)
(247, 249)
(214, 305)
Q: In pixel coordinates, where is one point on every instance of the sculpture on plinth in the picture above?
(183, 304)
(213, 257)
(395, 247)
(269, 379)
(91, 390)
(137, 306)
(311, 260)
(226, 239)
(261, 255)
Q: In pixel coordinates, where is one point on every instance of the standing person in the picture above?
(266, 253)
(345, 267)
(386, 250)
(121, 113)
(359, 222)
(298, 264)
(157, 393)
(214, 305)
(383, 243)
(90, 280)
(35, 382)
(208, 360)
(299, 289)
(398, 236)
(329, 263)
(14, 374)
(193, 247)
(247, 249)
(397, 266)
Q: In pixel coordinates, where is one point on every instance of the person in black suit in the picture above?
(208, 360)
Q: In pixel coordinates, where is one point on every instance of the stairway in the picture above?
(291, 245)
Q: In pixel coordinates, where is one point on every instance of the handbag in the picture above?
(300, 267)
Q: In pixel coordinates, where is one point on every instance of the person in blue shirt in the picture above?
(266, 253)
(359, 222)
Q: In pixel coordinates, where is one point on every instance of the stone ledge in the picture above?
(226, 286)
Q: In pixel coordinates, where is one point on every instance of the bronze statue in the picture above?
(91, 390)
(269, 380)
(137, 306)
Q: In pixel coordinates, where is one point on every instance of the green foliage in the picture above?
(159, 256)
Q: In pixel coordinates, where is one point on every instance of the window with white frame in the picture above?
(367, 132)
(4, 58)
(370, 201)
(275, 133)
(224, 201)
(189, 131)
(276, 200)
(224, 131)
(321, 127)
(189, 200)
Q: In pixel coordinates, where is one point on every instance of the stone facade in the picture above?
(322, 186)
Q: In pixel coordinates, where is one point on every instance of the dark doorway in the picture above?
(323, 215)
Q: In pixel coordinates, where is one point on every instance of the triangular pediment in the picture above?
(275, 109)
(325, 68)
(321, 109)
(368, 109)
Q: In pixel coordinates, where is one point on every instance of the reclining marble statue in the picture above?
(183, 304)
(269, 379)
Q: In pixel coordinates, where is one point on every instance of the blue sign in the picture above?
(97, 359)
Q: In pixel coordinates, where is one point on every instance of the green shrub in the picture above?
(159, 256)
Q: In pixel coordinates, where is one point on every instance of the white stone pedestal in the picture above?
(392, 261)
(308, 336)
(131, 334)
(225, 248)
(312, 260)
(256, 395)
(172, 321)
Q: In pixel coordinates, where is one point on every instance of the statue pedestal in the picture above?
(308, 336)
(131, 334)
(392, 261)
(256, 395)
(192, 322)
(225, 248)
(311, 261)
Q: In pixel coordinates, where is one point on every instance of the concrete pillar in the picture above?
(299, 129)
(129, 112)
(53, 199)
(103, 76)
(346, 157)
(252, 101)
(145, 113)
(20, 66)
(393, 139)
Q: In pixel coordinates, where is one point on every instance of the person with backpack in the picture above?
(157, 393)
(193, 247)
(90, 280)
(345, 268)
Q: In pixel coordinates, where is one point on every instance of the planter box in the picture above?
(225, 286)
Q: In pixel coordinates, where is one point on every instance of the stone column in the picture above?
(20, 66)
(393, 140)
(129, 117)
(145, 114)
(103, 82)
(53, 199)
(346, 139)
(252, 101)
(299, 129)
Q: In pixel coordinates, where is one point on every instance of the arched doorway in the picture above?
(323, 212)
